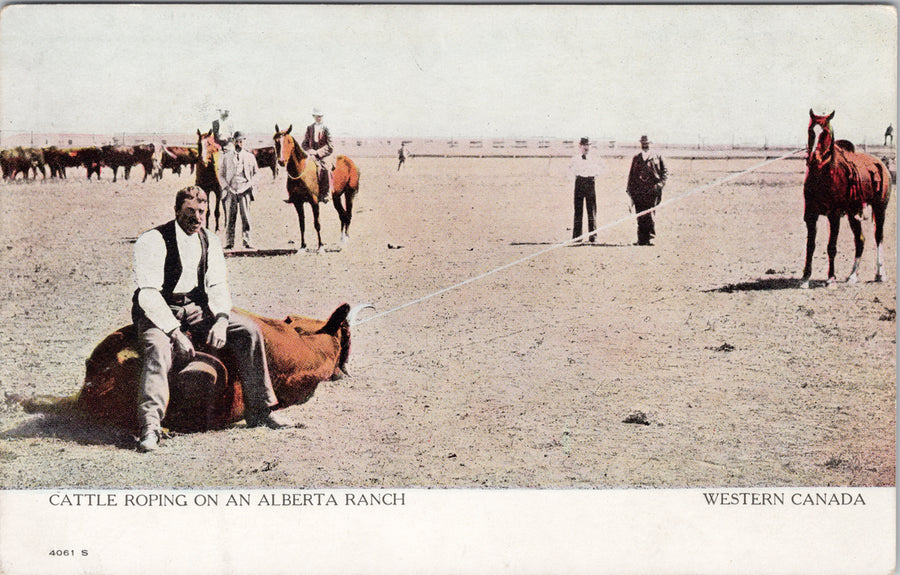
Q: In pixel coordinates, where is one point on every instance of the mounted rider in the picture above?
(317, 145)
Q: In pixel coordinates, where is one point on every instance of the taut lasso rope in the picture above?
(579, 238)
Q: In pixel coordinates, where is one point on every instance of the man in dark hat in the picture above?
(585, 171)
(645, 185)
(182, 289)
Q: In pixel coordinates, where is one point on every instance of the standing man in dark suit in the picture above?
(317, 144)
(401, 155)
(645, 185)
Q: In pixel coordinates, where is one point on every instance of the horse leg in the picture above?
(298, 205)
(218, 205)
(810, 249)
(834, 228)
(342, 214)
(315, 211)
(878, 214)
(860, 241)
(349, 211)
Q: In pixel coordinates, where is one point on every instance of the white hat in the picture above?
(317, 112)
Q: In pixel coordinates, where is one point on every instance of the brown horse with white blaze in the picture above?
(303, 184)
(840, 182)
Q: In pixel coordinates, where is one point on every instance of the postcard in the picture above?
(479, 288)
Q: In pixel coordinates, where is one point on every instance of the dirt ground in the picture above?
(523, 378)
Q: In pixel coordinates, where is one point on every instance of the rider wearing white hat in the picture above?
(317, 144)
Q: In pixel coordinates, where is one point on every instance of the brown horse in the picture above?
(303, 184)
(209, 152)
(840, 181)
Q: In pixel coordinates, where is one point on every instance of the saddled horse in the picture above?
(840, 182)
(303, 184)
(209, 152)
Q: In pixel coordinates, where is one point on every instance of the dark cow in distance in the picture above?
(91, 158)
(115, 157)
(14, 162)
(58, 160)
(267, 158)
(20, 160)
(173, 158)
(206, 393)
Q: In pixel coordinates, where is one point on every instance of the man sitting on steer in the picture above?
(182, 290)
(317, 144)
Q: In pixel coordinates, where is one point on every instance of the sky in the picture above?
(684, 74)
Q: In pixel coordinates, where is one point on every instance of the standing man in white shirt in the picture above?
(585, 171)
(237, 175)
(182, 289)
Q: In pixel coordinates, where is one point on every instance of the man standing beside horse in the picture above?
(237, 174)
(646, 180)
(317, 144)
(182, 289)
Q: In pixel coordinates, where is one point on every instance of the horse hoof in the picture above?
(852, 279)
(804, 284)
(831, 282)
(879, 278)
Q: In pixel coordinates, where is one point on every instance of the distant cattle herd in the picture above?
(51, 161)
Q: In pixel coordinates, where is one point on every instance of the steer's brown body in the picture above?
(301, 352)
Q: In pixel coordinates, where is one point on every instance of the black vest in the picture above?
(172, 271)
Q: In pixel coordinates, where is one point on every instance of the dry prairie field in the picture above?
(524, 377)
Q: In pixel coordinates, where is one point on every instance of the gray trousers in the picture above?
(238, 202)
(243, 338)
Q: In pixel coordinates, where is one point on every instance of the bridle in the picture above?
(207, 148)
(287, 164)
(819, 140)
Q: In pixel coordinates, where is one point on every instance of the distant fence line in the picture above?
(421, 147)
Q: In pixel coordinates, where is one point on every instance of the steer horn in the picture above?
(351, 316)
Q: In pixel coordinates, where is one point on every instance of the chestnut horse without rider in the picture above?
(840, 181)
(207, 171)
(303, 184)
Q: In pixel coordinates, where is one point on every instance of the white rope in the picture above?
(579, 238)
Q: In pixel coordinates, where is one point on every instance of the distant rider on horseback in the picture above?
(317, 144)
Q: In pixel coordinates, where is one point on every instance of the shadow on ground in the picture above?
(765, 284)
(70, 429)
(578, 245)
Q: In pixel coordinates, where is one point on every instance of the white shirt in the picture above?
(238, 170)
(149, 263)
(585, 167)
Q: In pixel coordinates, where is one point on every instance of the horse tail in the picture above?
(886, 180)
(354, 175)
